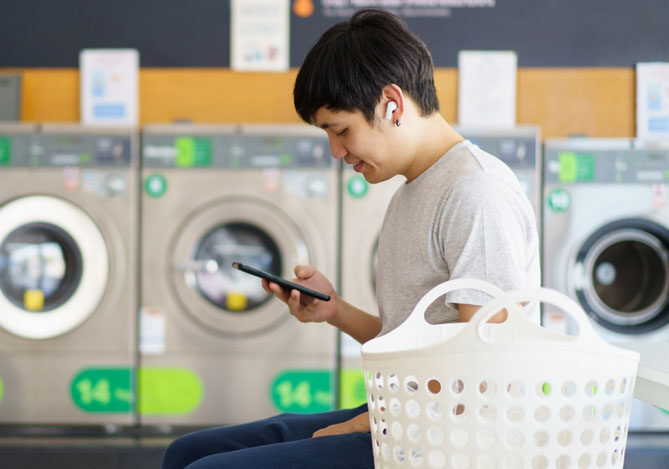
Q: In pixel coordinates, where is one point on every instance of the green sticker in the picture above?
(286, 160)
(575, 167)
(303, 391)
(84, 158)
(192, 152)
(5, 150)
(168, 391)
(2, 389)
(559, 200)
(352, 388)
(103, 390)
(357, 187)
(666, 173)
(155, 185)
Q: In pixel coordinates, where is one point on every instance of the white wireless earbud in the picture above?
(392, 105)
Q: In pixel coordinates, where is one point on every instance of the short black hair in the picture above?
(347, 69)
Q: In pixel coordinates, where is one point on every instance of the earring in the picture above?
(397, 123)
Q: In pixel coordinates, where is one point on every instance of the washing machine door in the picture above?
(53, 266)
(621, 276)
(247, 230)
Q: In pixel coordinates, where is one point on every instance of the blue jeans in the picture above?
(283, 441)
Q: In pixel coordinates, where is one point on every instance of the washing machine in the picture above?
(68, 275)
(363, 209)
(606, 244)
(214, 347)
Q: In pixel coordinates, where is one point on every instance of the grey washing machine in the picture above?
(215, 348)
(606, 244)
(363, 209)
(68, 271)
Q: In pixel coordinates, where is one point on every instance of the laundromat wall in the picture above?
(598, 102)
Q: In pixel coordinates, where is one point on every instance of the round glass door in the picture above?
(252, 231)
(40, 267)
(626, 273)
(222, 285)
(54, 266)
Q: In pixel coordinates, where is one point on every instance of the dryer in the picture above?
(215, 348)
(606, 244)
(68, 291)
(363, 209)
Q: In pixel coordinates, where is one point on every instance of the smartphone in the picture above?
(278, 280)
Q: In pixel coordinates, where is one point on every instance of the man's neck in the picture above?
(434, 140)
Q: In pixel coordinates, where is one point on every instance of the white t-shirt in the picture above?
(466, 216)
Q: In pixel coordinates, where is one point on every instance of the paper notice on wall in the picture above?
(109, 86)
(152, 328)
(260, 35)
(487, 88)
(652, 101)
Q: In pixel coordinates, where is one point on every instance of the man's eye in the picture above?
(339, 134)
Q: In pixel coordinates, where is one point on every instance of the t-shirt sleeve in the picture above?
(482, 235)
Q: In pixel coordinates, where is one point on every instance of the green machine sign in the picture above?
(168, 391)
(302, 391)
(192, 152)
(103, 390)
(1, 389)
(5, 150)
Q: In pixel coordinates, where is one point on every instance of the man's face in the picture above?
(367, 147)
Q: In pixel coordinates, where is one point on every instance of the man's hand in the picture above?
(358, 424)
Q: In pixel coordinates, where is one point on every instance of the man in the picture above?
(368, 83)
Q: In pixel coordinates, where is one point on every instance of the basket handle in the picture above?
(541, 294)
(417, 317)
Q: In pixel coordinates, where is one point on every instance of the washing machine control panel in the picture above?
(66, 149)
(570, 165)
(235, 151)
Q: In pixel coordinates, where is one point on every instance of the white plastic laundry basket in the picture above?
(497, 396)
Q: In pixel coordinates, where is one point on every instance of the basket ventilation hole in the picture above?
(515, 414)
(487, 389)
(617, 434)
(610, 387)
(485, 461)
(542, 413)
(411, 384)
(614, 458)
(516, 389)
(544, 389)
(399, 454)
(540, 439)
(539, 462)
(567, 413)
(436, 459)
(515, 439)
(569, 389)
(587, 436)
(393, 383)
(488, 413)
(589, 413)
(416, 457)
(584, 461)
(395, 406)
(563, 462)
(591, 388)
(412, 408)
(460, 461)
(458, 386)
(459, 437)
(385, 451)
(381, 404)
(565, 437)
(413, 432)
(396, 430)
(604, 435)
(435, 435)
(607, 411)
(601, 459)
(379, 380)
(434, 411)
(514, 462)
(620, 410)
(434, 386)
(486, 439)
